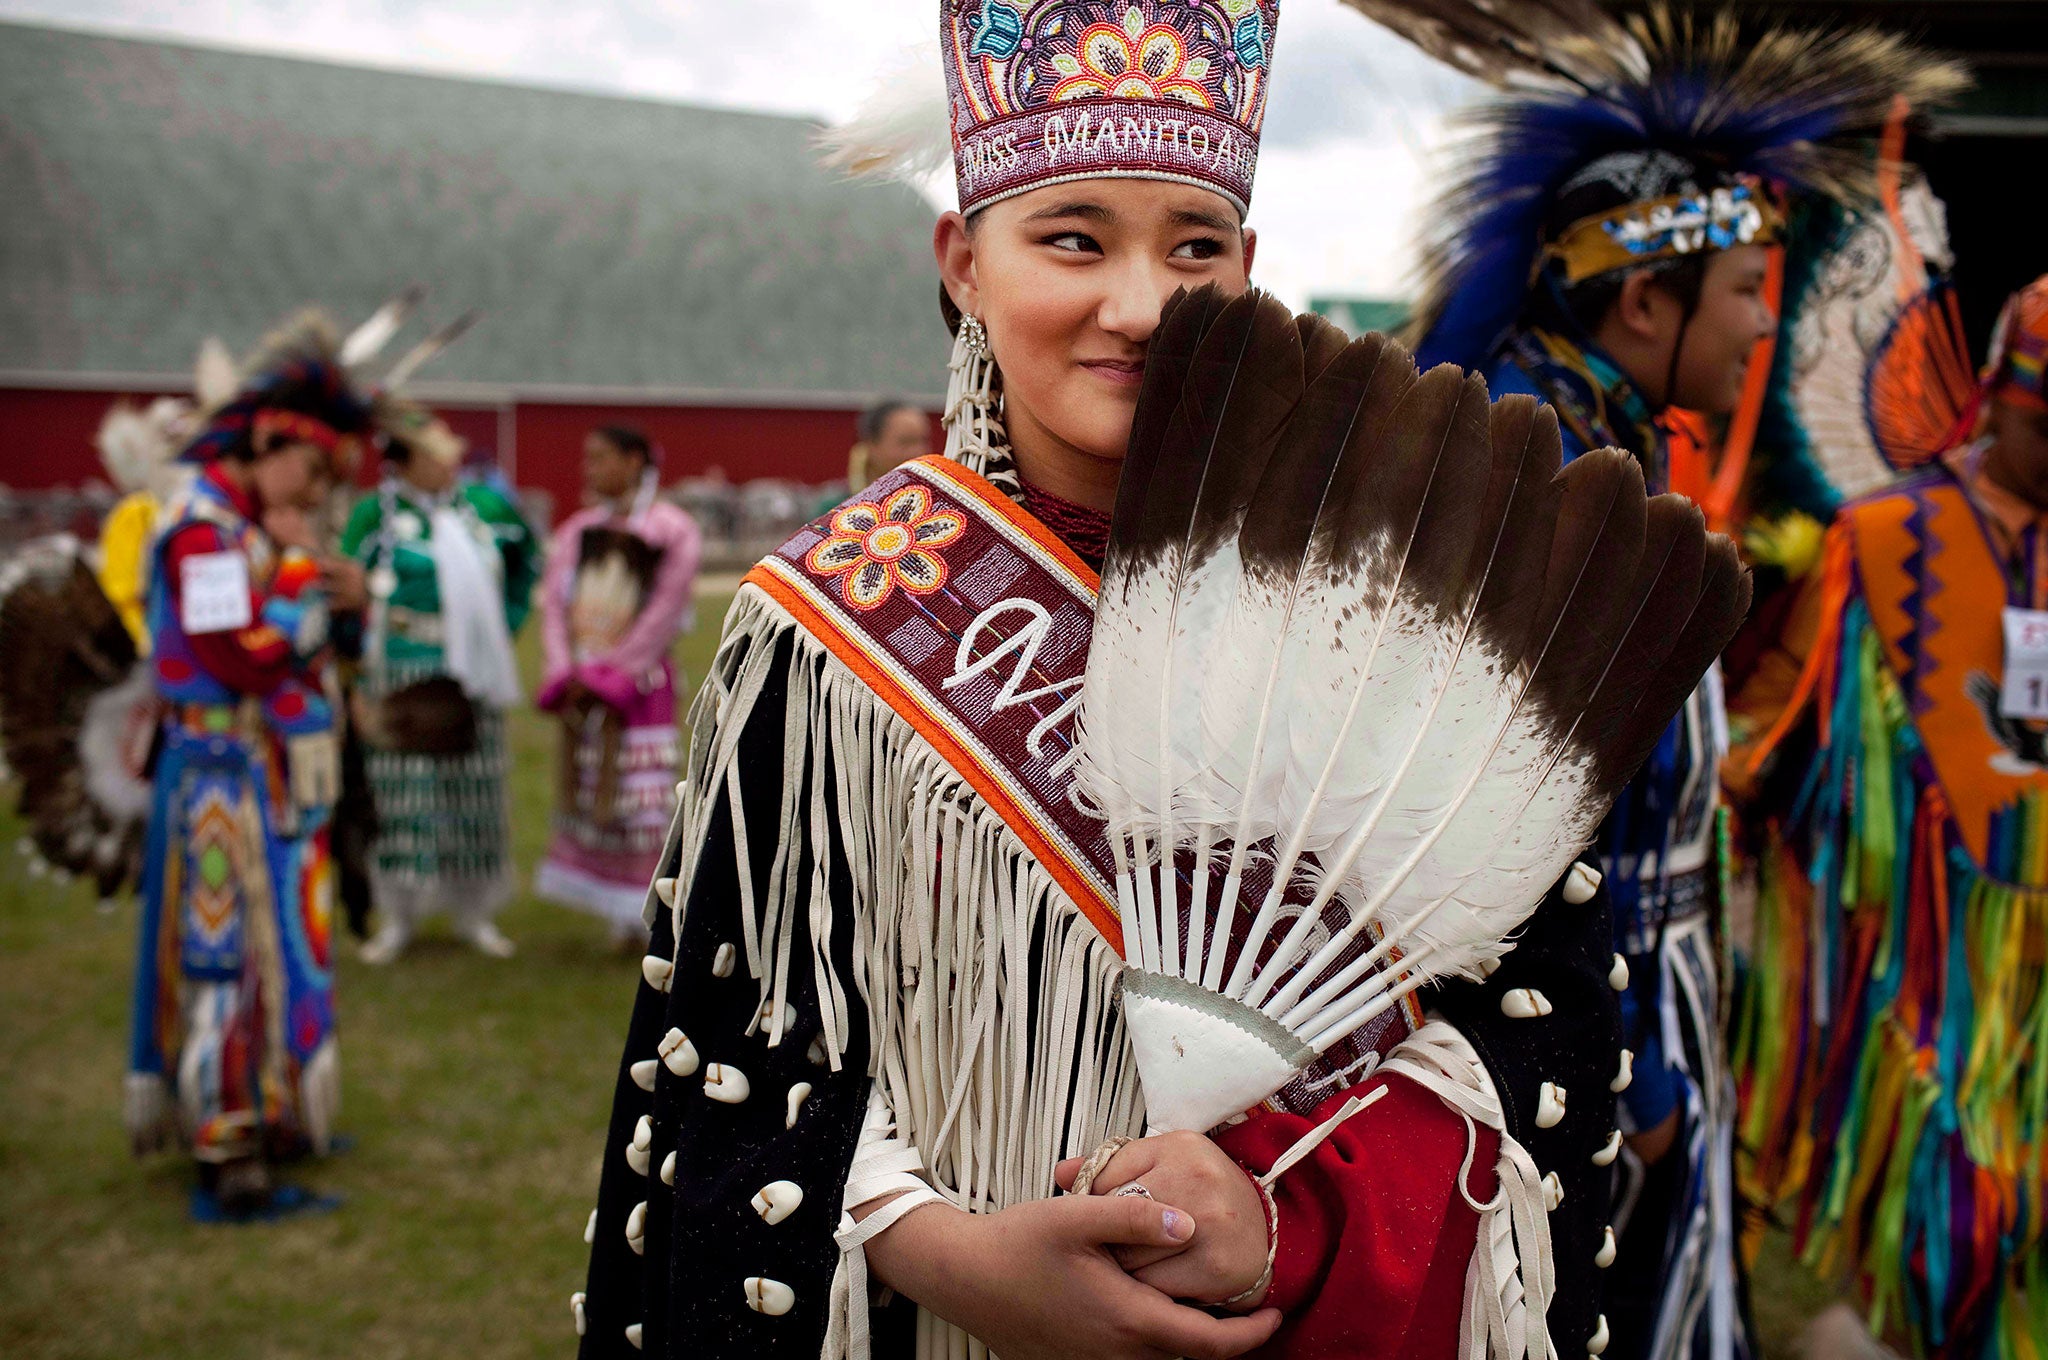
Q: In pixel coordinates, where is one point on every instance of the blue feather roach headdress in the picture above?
(1685, 104)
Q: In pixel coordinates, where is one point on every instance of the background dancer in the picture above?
(617, 595)
(1604, 247)
(1895, 1103)
(451, 566)
(888, 434)
(234, 1051)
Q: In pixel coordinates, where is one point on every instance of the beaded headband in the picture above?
(1663, 228)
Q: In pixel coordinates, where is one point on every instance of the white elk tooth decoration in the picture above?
(1609, 1150)
(726, 1084)
(772, 1297)
(1580, 883)
(777, 1200)
(678, 1053)
(658, 971)
(1625, 1074)
(1368, 668)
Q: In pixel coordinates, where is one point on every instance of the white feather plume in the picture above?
(903, 131)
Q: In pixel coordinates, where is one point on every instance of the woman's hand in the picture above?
(1039, 1281)
(347, 586)
(1190, 1172)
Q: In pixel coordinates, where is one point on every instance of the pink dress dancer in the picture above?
(616, 597)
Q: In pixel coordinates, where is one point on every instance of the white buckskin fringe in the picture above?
(950, 911)
(1512, 1275)
(948, 904)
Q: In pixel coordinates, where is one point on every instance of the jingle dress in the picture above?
(616, 596)
(234, 999)
(442, 841)
(868, 975)
(1676, 1288)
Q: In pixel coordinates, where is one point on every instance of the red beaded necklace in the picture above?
(1085, 531)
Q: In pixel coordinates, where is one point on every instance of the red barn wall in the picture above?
(46, 439)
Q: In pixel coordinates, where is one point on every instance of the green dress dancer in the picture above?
(452, 566)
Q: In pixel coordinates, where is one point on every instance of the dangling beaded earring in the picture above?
(975, 437)
(973, 334)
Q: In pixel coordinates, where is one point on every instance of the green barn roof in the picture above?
(158, 193)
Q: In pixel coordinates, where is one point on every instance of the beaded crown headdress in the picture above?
(1028, 93)
(1045, 91)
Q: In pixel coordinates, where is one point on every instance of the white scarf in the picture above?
(475, 642)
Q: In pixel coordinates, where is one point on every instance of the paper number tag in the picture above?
(2025, 692)
(213, 592)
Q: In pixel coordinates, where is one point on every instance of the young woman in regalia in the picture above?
(451, 565)
(234, 1046)
(615, 599)
(877, 1030)
(1897, 1070)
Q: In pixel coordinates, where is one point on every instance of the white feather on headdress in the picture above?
(214, 375)
(137, 444)
(903, 131)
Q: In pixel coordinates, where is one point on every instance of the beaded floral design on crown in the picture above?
(1044, 91)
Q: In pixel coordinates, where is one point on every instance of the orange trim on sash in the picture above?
(992, 497)
(856, 655)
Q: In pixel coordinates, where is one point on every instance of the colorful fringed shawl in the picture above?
(1894, 1061)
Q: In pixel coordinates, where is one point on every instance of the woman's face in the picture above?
(292, 475)
(428, 471)
(1069, 280)
(609, 472)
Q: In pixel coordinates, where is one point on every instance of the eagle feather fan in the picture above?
(1401, 661)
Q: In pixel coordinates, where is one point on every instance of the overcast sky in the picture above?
(1341, 174)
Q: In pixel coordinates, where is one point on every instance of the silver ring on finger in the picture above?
(1131, 1189)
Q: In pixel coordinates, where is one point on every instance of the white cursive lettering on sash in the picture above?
(1023, 645)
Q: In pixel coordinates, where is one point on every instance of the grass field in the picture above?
(476, 1093)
